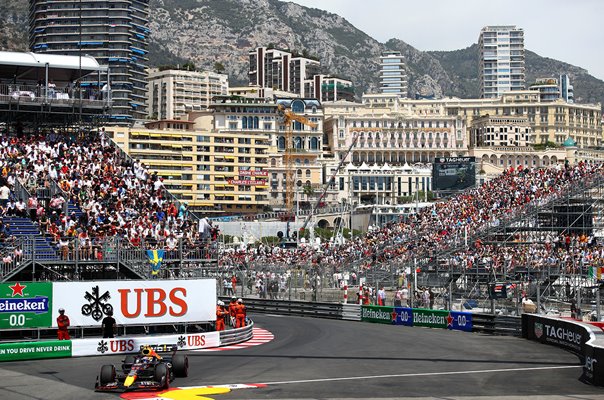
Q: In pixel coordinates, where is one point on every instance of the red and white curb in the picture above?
(259, 336)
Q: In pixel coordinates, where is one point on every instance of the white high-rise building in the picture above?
(501, 65)
(393, 77)
(174, 93)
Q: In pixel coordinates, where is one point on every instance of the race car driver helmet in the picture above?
(148, 351)
(220, 303)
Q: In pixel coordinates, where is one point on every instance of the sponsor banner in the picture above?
(136, 302)
(35, 350)
(25, 305)
(383, 315)
(246, 182)
(580, 338)
(125, 345)
(443, 319)
(404, 316)
(558, 332)
(245, 172)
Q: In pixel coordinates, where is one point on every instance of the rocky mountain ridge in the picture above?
(210, 33)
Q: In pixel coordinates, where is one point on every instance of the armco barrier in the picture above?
(35, 350)
(121, 345)
(485, 323)
(233, 336)
(299, 308)
(497, 324)
(583, 339)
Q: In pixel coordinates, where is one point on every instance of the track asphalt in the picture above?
(328, 359)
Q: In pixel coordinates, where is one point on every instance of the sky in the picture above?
(566, 30)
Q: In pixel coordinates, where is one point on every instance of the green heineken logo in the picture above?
(25, 305)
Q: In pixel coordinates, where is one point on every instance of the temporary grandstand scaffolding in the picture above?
(571, 215)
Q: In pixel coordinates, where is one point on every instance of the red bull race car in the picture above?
(146, 370)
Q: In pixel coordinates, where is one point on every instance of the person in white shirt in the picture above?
(405, 297)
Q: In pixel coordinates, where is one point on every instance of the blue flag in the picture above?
(155, 259)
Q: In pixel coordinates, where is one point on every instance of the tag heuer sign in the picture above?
(538, 330)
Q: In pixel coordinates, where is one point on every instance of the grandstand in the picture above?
(79, 207)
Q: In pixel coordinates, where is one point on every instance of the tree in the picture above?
(189, 66)
(219, 67)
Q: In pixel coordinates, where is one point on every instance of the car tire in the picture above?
(161, 372)
(107, 375)
(128, 361)
(180, 365)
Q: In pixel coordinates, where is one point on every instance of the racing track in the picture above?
(329, 359)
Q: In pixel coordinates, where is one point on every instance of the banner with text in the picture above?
(125, 345)
(444, 319)
(25, 305)
(136, 302)
(35, 350)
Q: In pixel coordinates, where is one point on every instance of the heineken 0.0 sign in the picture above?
(444, 319)
(25, 305)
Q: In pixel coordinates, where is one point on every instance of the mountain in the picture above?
(213, 32)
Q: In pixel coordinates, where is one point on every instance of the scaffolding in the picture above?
(540, 253)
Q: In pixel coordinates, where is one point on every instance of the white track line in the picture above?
(422, 374)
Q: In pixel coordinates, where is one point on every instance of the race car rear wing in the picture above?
(161, 348)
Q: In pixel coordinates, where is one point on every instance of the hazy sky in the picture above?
(566, 30)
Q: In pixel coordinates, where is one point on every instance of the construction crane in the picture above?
(314, 207)
(287, 117)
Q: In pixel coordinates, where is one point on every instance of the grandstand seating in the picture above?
(25, 228)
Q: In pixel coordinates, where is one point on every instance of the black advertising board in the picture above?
(579, 338)
(453, 173)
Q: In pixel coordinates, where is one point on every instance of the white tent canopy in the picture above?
(32, 66)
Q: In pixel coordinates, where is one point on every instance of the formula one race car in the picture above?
(146, 370)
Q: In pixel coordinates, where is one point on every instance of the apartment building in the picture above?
(548, 88)
(487, 131)
(174, 93)
(393, 76)
(115, 33)
(331, 88)
(216, 172)
(388, 130)
(501, 63)
(281, 70)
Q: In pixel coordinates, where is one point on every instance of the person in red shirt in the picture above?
(234, 282)
(240, 312)
(63, 324)
(221, 313)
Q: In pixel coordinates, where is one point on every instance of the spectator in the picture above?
(381, 296)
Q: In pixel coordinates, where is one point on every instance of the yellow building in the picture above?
(214, 171)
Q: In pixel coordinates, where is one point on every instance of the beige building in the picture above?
(173, 93)
(397, 130)
(240, 115)
(490, 131)
(214, 171)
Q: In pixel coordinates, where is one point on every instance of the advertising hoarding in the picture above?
(126, 345)
(136, 302)
(25, 305)
(453, 173)
(444, 319)
(35, 350)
